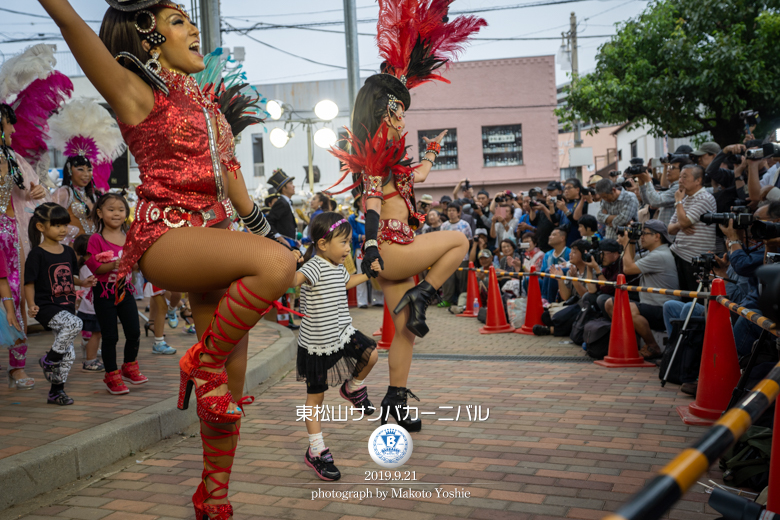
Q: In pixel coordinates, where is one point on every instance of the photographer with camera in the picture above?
(503, 224)
(693, 237)
(463, 193)
(482, 214)
(618, 207)
(656, 269)
(573, 206)
(705, 154)
(604, 264)
(663, 200)
(541, 217)
(745, 261)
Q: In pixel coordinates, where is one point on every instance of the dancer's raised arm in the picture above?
(129, 96)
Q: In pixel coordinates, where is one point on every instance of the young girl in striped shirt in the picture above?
(330, 350)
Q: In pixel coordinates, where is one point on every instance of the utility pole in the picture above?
(211, 35)
(574, 73)
(353, 62)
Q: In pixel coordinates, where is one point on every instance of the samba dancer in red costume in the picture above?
(415, 39)
(184, 149)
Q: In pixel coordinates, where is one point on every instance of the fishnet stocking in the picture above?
(203, 262)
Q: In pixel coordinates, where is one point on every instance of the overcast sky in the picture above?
(266, 65)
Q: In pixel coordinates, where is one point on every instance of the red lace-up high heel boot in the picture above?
(204, 511)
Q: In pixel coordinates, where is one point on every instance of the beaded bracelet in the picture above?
(5, 299)
(429, 160)
(434, 147)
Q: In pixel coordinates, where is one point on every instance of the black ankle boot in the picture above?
(418, 298)
(396, 402)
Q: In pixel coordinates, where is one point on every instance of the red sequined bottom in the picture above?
(391, 230)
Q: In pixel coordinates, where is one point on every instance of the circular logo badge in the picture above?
(390, 446)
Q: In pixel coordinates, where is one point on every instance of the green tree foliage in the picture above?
(685, 67)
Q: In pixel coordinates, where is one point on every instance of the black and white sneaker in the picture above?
(48, 367)
(541, 330)
(59, 397)
(323, 465)
(358, 398)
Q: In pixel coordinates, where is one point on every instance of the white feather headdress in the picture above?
(36, 62)
(83, 127)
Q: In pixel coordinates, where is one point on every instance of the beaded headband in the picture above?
(334, 226)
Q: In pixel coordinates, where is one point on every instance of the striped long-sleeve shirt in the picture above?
(703, 238)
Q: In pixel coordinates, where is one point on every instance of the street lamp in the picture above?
(326, 110)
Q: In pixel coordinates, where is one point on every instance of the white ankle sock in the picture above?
(316, 443)
(354, 384)
(159, 340)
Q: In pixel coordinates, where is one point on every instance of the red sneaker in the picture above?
(131, 372)
(114, 383)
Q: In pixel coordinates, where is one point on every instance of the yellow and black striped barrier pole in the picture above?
(668, 292)
(755, 317)
(680, 474)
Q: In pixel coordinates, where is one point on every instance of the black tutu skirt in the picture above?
(321, 372)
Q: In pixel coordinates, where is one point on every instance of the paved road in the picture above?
(563, 440)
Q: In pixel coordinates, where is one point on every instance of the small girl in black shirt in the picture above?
(49, 286)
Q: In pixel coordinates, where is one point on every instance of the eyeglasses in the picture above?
(648, 233)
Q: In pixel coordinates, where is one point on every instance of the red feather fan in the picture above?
(376, 157)
(415, 41)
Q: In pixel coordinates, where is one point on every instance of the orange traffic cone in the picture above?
(773, 500)
(352, 298)
(623, 350)
(471, 294)
(384, 317)
(378, 332)
(534, 307)
(719, 372)
(388, 330)
(496, 317)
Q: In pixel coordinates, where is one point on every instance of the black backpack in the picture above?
(746, 464)
(597, 338)
(587, 313)
(687, 361)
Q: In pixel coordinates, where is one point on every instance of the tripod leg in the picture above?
(679, 338)
(740, 389)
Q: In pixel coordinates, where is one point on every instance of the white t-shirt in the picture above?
(87, 305)
(327, 326)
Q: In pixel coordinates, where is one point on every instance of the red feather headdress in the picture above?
(377, 156)
(415, 40)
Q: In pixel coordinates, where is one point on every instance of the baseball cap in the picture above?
(708, 147)
(445, 199)
(683, 148)
(610, 245)
(554, 185)
(659, 227)
(480, 231)
(485, 253)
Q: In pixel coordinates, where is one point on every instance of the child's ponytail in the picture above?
(47, 213)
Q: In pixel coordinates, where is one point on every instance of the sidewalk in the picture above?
(99, 428)
(563, 440)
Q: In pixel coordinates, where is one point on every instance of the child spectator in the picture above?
(90, 332)
(49, 286)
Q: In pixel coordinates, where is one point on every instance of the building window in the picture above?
(502, 145)
(634, 150)
(448, 158)
(568, 173)
(257, 155)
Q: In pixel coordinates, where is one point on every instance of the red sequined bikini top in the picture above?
(178, 155)
(375, 162)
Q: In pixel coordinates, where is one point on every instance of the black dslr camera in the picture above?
(594, 254)
(735, 158)
(765, 230)
(637, 166)
(739, 214)
(703, 265)
(668, 158)
(634, 231)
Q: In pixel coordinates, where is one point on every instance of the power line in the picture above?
(296, 14)
(479, 108)
(543, 38)
(39, 15)
(295, 55)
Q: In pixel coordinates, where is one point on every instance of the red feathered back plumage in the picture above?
(414, 40)
(376, 157)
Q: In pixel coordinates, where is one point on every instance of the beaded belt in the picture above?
(176, 217)
(391, 230)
